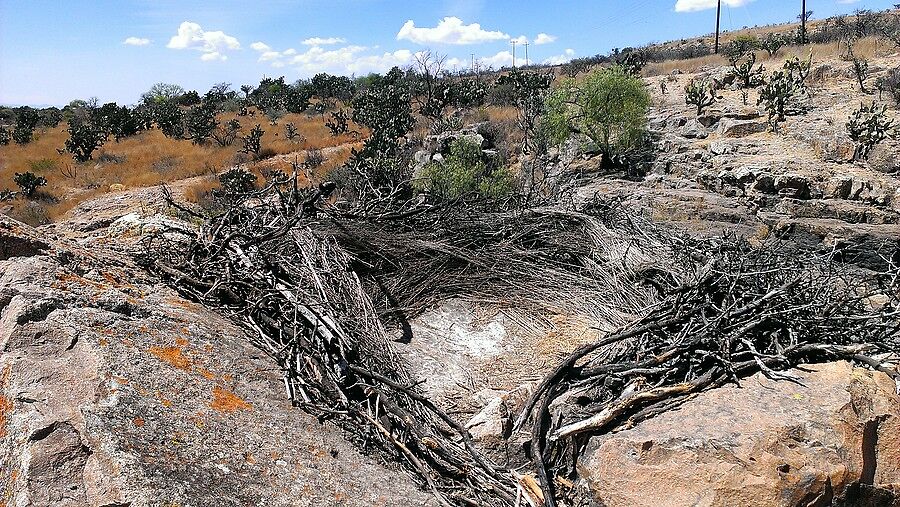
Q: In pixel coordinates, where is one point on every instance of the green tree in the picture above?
(200, 122)
(26, 121)
(609, 106)
(162, 92)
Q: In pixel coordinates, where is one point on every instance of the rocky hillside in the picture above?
(116, 391)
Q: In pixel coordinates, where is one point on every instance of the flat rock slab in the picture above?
(762, 444)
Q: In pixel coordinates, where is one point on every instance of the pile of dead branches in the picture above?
(675, 316)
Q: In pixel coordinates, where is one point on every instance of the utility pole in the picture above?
(473, 63)
(514, 42)
(526, 54)
(718, 18)
(803, 24)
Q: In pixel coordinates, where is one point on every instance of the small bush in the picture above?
(28, 182)
(700, 94)
(5, 136)
(869, 126)
(314, 159)
(237, 181)
(772, 43)
(267, 152)
(890, 84)
(465, 173)
(42, 165)
(741, 46)
(33, 213)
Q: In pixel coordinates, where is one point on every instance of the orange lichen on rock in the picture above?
(181, 342)
(226, 401)
(139, 422)
(6, 405)
(172, 356)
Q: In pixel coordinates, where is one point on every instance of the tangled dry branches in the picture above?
(675, 315)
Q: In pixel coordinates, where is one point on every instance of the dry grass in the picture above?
(147, 159)
(689, 66)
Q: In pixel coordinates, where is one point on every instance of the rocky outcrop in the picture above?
(114, 391)
(833, 436)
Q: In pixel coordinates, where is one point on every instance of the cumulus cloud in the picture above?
(136, 41)
(500, 60)
(543, 38)
(319, 41)
(702, 5)
(561, 59)
(260, 46)
(450, 30)
(346, 60)
(520, 40)
(212, 44)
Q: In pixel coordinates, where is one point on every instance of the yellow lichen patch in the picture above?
(226, 401)
(172, 356)
(181, 342)
(208, 375)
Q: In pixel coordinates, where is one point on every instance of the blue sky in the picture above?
(52, 51)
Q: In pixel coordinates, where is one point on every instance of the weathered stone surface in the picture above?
(115, 391)
(740, 128)
(763, 444)
(792, 185)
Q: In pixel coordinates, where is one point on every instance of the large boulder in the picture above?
(740, 128)
(115, 391)
(832, 436)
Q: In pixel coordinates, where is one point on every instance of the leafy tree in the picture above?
(528, 91)
(237, 181)
(124, 123)
(869, 126)
(28, 182)
(742, 45)
(200, 122)
(609, 106)
(162, 92)
(218, 95)
(252, 141)
(26, 122)
(465, 173)
(84, 138)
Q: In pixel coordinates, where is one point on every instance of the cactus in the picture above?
(744, 72)
(700, 94)
(868, 126)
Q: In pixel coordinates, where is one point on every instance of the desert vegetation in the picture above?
(711, 217)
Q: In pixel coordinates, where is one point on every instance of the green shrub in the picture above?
(609, 106)
(42, 165)
(28, 182)
(84, 138)
(464, 173)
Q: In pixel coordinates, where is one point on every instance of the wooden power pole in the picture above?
(718, 18)
(803, 24)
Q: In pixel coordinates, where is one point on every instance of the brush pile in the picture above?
(676, 316)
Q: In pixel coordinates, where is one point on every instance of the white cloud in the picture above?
(543, 38)
(450, 30)
(702, 5)
(561, 59)
(319, 41)
(211, 44)
(501, 59)
(520, 40)
(260, 46)
(347, 60)
(136, 41)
